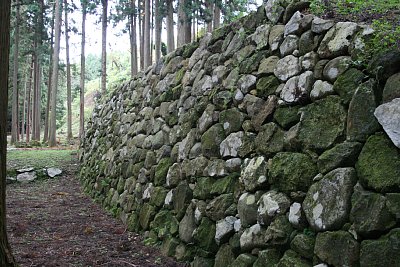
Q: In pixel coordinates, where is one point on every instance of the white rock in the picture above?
(321, 25)
(29, 169)
(321, 89)
(26, 177)
(287, 67)
(388, 115)
(230, 146)
(224, 228)
(53, 172)
(295, 214)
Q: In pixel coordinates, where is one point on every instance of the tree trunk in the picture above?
(134, 65)
(188, 30)
(158, 29)
(15, 100)
(69, 98)
(170, 27)
(29, 104)
(82, 79)
(46, 121)
(181, 23)
(147, 48)
(6, 257)
(104, 48)
(217, 17)
(209, 12)
(25, 101)
(54, 77)
(38, 81)
(141, 35)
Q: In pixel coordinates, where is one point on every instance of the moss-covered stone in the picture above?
(164, 224)
(185, 252)
(347, 83)
(251, 64)
(211, 140)
(181, 198)
(270, 139)
(322, 124)
(133, 222)
(337, 248)
(244, 260)
(225, 185)
(267, 258)
(146, 215)
(168, 246)
(161, 171)
(378, 166)
(188, 49)
(342, 155)
(202, 262)
(292, 172)
(204, 235)
(267, 86)
(202, 188)
(158, 196)
(224, 256)
(231, 120)
(215, 210)
(303, 245)
(384, 251)
(287, 116)
(292, 259)
(393, 204)
(385, 64)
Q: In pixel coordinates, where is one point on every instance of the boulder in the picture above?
(298, 24)
(321, 89)
(287, 67)
(347, 83)
(388, 115)
(335, 67)
(254, 173)
(224, 229)
(26, 177)
(270, 205)
(247, 209)
(392, 88)
(53, 172)
(230, 146)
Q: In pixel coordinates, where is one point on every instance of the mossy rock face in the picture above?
(292, 259)
(225, 185)
(341, 155)
(244, 260)
(392, 88)
(322, 124)
(202, 262)
(185, 252)
(181, 198)
(303, 245)
(216, 209)
(158, 196)
(133, 222)
(161, 171)
(347, 83)
(231, 120)
(267, 258)
(378, 166)
(224, 256)
(292, 172)
(165, 224)
(337, 248)
(267, 86)
(202, 188)
(188, 49)
(393, 204)
(384, 251)
(204, 235)
(146, 215)
(384, 65)
(270, 139)
(168, 246)
(287, 116)
(211, 140)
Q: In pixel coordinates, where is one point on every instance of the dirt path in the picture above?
(51, 223)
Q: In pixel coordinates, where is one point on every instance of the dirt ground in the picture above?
(52, 223)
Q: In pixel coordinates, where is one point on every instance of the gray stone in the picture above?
(388, 116)
(254, 173)
(53, 172)
(321, 89)
(392, 88)
(253, 105)
(252, 237)
(246, 83)
(287, 67)
(28, 169)
(231, 145)
(260, 36)
(336, 67)
(289, 44)
(327, 204)
(337, 40)
(224, 229)
(321, 25)
(206, 119)
(296, 216)
(267, 65)
(187, 225)
(276, 36)
(217, 207)
(309, 60)
(211, 140)
(270, 205)
(274, 10)
(298, 24)
(247, 209)
(26, 177)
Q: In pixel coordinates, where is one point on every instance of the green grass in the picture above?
(17, 159)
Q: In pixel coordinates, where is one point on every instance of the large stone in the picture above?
(291, 258)
(267, 86)
(328, 202)
(274, 10)
(369, 213)
(204, 235)
(337, 248)
(287, 116)
(53, 172)
(265, 112)
(298, 24)
(287, 67)
(247, 209)
(322, 123)
(276, 36)
(321, 25)
(393, 204)
(384, 251)
(270, 205)
(231, 120)
(244, 260)
(224, 229)
(181, 198)
(292, 172)
(308, 42)
(161, 171)
(165, 224)
(231, 145)
(342, 155)
(267, 258)
(146, 215)
(269, 139)
(211, 140)
(267, 65)
(303, 245)
(252, 237)
(289, 45)
(320, 90)
(224, 256)
(246, 83)
(279, 233)
(337, 40)
(392, 88)
(217, 207)
(347, 83)
(254, 174)
(385, 64)
(296, 216)
(388, 116)
(26, 177)
(253, 105)
(297, 88)
(378, 165)
(260, 36)
(337, 66)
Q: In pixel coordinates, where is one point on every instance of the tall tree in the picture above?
(133, 38)
(54, 77)
(83, 70)
(104, 47)
(69, 98)
(158, 28)
(170, 26)
(46, 121)
(217, 15)
(184, 22)
(15, 99)
(28, 103)
(6, 257)
(146, 33)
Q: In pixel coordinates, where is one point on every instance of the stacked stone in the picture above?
(257, 146)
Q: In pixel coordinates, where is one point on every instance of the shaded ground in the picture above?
(51, 223)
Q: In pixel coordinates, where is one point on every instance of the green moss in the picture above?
(287, 116)
(211, 140)
(204, 235)
(161, 171)
(225, 185)
(267, 86)
(202, 188)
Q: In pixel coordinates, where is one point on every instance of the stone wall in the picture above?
(261, 144)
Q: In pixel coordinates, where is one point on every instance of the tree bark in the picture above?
(15, 98)
(170, 27)
(6, 257)
(133, 38)
(217, 17)
(158, 29)
(141, 34)
(54, 77)
(69, 98)
(104, 47)
(25, 101)
(46, 121)
(209, 12)
(181, 23)
(29, 104)
(147, 48)
(82, 78)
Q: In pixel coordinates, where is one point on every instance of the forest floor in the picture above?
(52, 223)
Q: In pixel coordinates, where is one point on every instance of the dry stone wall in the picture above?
(263, 144)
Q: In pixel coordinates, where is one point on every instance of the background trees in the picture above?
(52, 91)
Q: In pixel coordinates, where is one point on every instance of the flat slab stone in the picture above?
(53, 172)
(26, 177)
(27, 169)
(388, 116)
